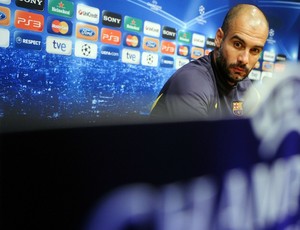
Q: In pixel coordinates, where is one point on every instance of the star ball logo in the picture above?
(85, 50)
(149, 59)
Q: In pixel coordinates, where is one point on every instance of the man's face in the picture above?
(235, 71)
(239, 49)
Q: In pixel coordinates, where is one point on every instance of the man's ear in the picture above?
(219, 37)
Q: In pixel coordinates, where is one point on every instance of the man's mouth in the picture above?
(238, 69)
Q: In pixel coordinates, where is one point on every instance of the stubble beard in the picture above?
(225, 68)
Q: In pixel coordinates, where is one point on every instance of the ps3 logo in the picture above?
(29, 21)
(168, 47)
(112, 37)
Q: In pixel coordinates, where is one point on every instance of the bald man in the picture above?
(214, 86)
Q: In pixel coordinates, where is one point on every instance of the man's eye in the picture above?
(237, 44)
(255, 51)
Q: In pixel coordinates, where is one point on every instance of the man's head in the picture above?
(240, 41)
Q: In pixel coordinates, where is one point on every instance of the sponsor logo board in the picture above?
(4, 16)
(59, 26)
(29, 21)
(4, 38)
(109, 53)
(86, 50)
(149, 59)
(56, 45)
(87, 14)
(24, 40)
(61, 7)
(130, 56)
(87, 32)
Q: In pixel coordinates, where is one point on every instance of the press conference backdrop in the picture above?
(91, 60)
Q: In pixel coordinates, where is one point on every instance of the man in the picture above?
(214, 86)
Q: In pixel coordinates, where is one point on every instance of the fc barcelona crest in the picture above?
(237, 108)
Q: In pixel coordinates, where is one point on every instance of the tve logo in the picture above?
(4, 38)
(85, 50)
(149, 59)
(112, 37)
(181, 62)
(87, 32)
(131, 56)
(4, 16)
(87, 13)
(59, 26)
(56, 45)
(29, 21)
(152, 29)
(31, 4)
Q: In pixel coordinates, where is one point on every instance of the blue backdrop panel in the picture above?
(54, 67)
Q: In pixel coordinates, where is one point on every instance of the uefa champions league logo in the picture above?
(154, 5)
(200, 18)
(270, 39)
(279, 111)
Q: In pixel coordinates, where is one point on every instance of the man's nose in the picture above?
(243, 57)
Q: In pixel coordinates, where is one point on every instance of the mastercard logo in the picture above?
(60, 27)
(132, 40)
(183, 50)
